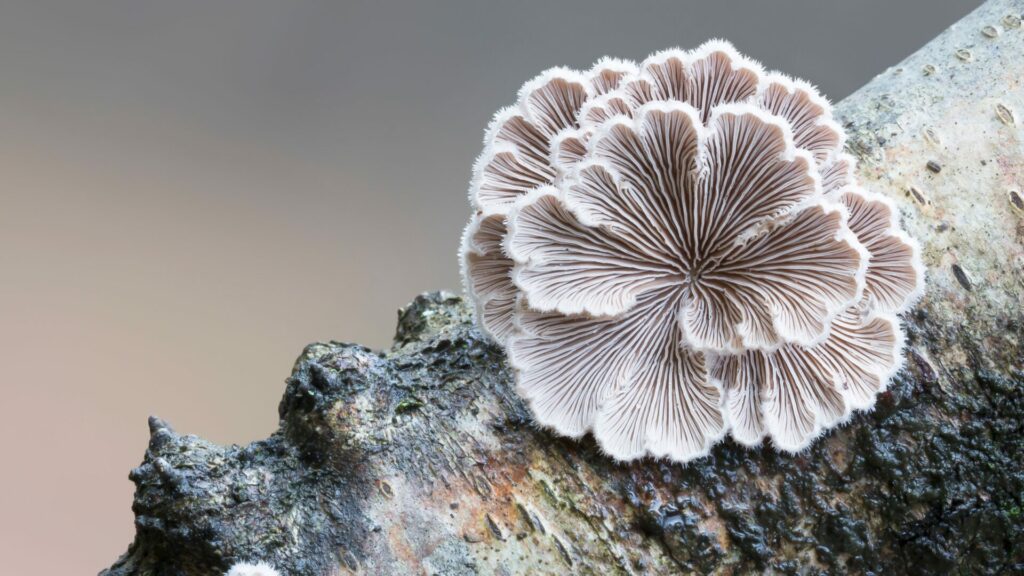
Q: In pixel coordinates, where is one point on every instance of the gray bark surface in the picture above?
(422, 460)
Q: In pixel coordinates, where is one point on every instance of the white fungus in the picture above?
(674, 250)
(247, 569)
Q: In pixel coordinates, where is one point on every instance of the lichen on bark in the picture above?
(422, 459)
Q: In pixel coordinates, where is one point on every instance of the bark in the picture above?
(421, 458)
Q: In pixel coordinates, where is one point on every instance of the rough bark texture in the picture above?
(421, 459)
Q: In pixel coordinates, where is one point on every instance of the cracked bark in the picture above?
(421, 459)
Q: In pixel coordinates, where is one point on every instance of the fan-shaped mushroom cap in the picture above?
(672, 248)
(629, 379)
(807, 113)
(526, 147)
(607, 73)
(518, 144)
(486, 272)
(713, 74)
(795, 392)
(895, 275)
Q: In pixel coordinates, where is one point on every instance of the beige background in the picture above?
(190, 191)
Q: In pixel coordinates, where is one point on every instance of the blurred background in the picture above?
(191, 191)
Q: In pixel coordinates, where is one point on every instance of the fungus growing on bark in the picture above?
(794, 392)
(650, 251)
(521, 146)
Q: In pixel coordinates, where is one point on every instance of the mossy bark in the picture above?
(422, 460)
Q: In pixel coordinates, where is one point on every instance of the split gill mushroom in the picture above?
(678, 249)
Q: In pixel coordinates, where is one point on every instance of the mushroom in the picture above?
(246, 569)
(519, 149)
(651, 243)
(794, 393)
(673, 240)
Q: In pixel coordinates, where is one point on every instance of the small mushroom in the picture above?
(246, 569)
(808, 115)
(487, 275)
(895, 274)
(678, 248)
(520, 148)
(630, 379)
(795, 392)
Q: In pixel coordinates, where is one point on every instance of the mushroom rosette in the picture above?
(679, 248)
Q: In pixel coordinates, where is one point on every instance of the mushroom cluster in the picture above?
(677, 250)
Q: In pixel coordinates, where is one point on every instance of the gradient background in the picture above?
(192, 190)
